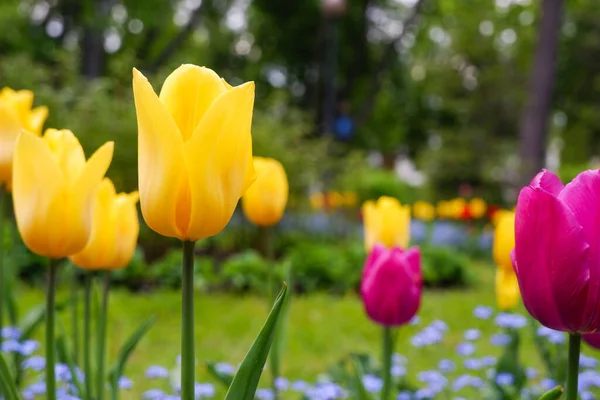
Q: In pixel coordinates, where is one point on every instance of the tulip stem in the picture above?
(573, 366)
(388, 348)
(188, 356)
(50, 342)
(101, 338)
(87, 332)
(267, 250)
(75, 314)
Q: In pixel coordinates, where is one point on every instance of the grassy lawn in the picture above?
(323, 329)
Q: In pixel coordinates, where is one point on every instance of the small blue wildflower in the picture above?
(11, 346)
(473, 364)
(29, 347)
(399, 359)
(34, 363)
(299, 386)
(11, 332)
(281, 383)
(508, 320)
(488, 361)
(156, 372)
(472, 334)
(37, 388)
(125, 383)
(467, 380)
(439, 325)
(500, 339)
(483, 312)
(225, 368)
(547, 383)
(425, 393)
(153, 394)
(587, 361)
(465, 348)
(415, 320)
(446, 365)
(171, 397)
(204, 390)
(505, 379)
(63, 373)
(372, 383)
(404, 396)
(557, 337)
(587, 395)
(398, 370)
(531, 373)
(587, 379)
(265, 394)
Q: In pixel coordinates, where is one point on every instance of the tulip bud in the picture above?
(115, 229)
(557, 251)
(386, 222)
(16, 115)
(507, 289)
(264, 202)
(504, 238)
(391, 285)
(54, 190)
(194, 151)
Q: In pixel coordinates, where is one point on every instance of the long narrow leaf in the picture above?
(246, 379)
(225, 379)
(9, 388)
(34, 318)
(359, 387)
(128, 347)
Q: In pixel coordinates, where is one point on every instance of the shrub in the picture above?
(444, 266)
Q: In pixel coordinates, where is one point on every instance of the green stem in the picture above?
(50, 339)
(2, 280)
(75, 314)
(101, 338)
(388, 347)
(573, 366)
(87, 333)
(267, 250)
(188, 356)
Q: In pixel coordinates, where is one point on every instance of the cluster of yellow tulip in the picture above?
(195, 163)
(460, 208)
(333, 200)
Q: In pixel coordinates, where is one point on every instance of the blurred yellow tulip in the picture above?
(54, 190)
(16, 115)
(194, 151)
(350, 199)
(317, 200)
(265, 200)
(387, 222)
(423, 211)
(456, 207)
(507, 289)
(504, 238)
(477, 207)
(115, 230)
(335, 200)
(443, 209)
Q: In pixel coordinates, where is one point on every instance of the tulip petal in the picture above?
(377, 251)
(39, 189)
(218, 157)
(371, 223)
(413, 261)
(37, 118)
(161, 167)
(582, 196)
(551, 260)
(188, 93)
(548, 181)
(10, 128)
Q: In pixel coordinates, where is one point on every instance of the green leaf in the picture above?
(126, 349)
(7, 383)
(246, 379)
(34, 318)
(225, 379)
(280, 332)
(11, 302)
(359, 388)
(65, 356)
(553, 394)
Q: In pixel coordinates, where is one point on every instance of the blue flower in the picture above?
(473, 364)
(37, 388)
(587, 362)
(265, 394)
(483, 312)
(467, 380)
(398, 370)
(281, 383)
(465, 348)
(439, 325)
(505, 379)
(11, 346)
(587, 395)
(547, 384)
(531, 373)
(63, 373)
(11, 332)
(225, 368)
(399, 359)
(35, 363)
(156, 371)
(488, 361)
(125, 383)
(203, 390)
(403, 396)
(425, 393)
(28, 347)
(299, 386)
(415, 320)
(153, 394)
(508, 320)
(372, 383)
(587, 379)
(446, 365)
(500, 339)
(472, 334)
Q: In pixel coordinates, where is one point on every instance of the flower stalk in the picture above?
(388, 348)
(188, 358)
(50, 337)
(573, 365)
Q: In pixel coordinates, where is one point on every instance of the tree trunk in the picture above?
(534, 121)
(92, 46)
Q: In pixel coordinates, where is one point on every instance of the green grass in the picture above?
(322, 330)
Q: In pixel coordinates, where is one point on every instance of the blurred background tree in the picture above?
(442, 83)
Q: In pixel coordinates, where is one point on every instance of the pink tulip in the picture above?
(391, 285)
(557, 251)
(593, 339)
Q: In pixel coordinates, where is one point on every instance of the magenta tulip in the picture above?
(593, 339)
(391, 285)
(557, 251)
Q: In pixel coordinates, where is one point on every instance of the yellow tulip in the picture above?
(507, 289)
(317, 200)
(350, 199)
(442, 208)
(194, 151)
(335, 200)
(265, 200)
(16, 115)
(423, 211)
(456, 207)
(54, 190)
(115, 230)
(386, 222)
(504, 238)
(478, 207)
